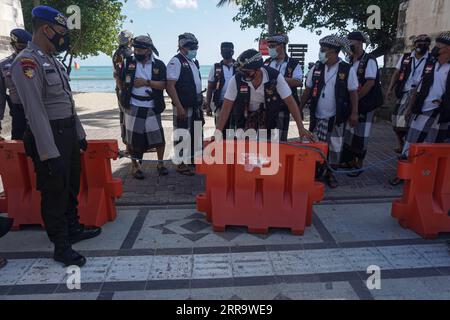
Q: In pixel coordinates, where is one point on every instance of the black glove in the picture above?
(83, 145)
(55, 166)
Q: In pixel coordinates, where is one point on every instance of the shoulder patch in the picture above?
(28, 67)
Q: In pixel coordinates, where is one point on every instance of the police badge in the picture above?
(28, 67)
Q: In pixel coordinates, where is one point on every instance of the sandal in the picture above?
(3, 262)
(138, 174)
(184, 170)
(332, 182)
(395, 181)
(162, 171)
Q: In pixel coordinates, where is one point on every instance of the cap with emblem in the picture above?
(49, 14)
(20, 36)
(279, 38)
(444, 38)
(145, 42)
(187, 40)
(422, 38)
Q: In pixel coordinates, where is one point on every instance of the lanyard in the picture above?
(326, 82)
(415, 67)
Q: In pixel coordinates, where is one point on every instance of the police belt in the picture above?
(63, 123)
(140, 98)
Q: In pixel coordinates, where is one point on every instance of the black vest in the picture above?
(273, 101)
(405, 72)
(374, 99)
(291, 65)
(219, 80)
(185, 86)
(427, 83)
(343, 106)
(129, 75)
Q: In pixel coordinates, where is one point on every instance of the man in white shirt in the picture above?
(144, 80)
(331, 112)
(255, 95)
(184, 86)
(292, 72)
(370, 96)
(218, 80)
(409, 71)
(429, 109)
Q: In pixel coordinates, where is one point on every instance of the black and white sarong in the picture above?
(143, 129)
(399, 115)
(356, 140)
(425, 128)
(284, 118)
(328, 131)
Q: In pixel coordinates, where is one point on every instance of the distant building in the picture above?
(10, 17)
(417, 17)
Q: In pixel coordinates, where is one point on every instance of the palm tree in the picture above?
(270, 5)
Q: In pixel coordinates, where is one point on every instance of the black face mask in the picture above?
(140, 57)
(422, 49)
(249, 76)
(227, 55)
(436, 52)
(59, 41)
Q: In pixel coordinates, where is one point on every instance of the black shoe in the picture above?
(67, 256)
(3, 262)
(138, 175)
(162, 171)
(84, 234)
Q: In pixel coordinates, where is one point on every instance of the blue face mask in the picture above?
(273, 53)
(192, 54)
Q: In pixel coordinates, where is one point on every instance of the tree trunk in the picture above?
(271, 16)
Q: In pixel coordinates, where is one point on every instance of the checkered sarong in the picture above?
(356, 140)
(399, 116)
(328, 131)
(284, 118)
(425, 128)
(143, 129)
(188, 124)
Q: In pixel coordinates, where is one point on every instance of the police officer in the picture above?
(184, 86)
(5, 226)
(255, 96)
(8, 93)
(218, 80)
(55, 136)
(120, 55)
(292, 72)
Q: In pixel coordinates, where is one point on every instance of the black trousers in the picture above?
(59, 194)
(19, 122)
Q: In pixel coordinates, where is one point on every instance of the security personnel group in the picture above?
(242, 93)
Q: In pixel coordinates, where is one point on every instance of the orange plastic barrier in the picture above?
(98, 188)
(239, 195)
(425, 205)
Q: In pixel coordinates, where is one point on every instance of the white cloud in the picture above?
(184, 4)
(145, 4)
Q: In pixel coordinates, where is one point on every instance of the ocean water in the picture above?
(100, 78)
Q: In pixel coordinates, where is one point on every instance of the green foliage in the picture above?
(101, 22)
(339, 15)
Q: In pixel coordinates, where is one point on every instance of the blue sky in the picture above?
(164, 20)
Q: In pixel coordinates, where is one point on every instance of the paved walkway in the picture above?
(160, 247)
(172, 253)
